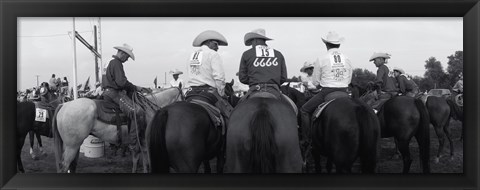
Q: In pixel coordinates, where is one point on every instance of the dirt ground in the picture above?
(385, 164)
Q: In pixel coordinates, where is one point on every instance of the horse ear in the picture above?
(232, 82)
(180, 85)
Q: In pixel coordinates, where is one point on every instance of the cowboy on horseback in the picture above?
(207, 77)
(310, 89)
(261, 67)
(332, 72)
(406, 85)
(458, 88)
(384, 82)
(117, 87)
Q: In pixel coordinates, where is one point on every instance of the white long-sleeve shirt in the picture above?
(205, 67)
(176, 83)
(332, 70)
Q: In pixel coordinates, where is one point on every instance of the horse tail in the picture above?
(369, 136)
(423, 135)
(58, 142)
(263, 144)
(158, 155)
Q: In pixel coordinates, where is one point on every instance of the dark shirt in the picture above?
(405, 85)
(269, 69)
(386, 79)
(115, 77)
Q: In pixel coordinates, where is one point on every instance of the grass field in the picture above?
(119, 164)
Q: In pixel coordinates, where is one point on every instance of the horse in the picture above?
(345, 130)
(75, 120)
(262, 137)
(403, 117)
(439, 112)
(183, 136)
(26, 124)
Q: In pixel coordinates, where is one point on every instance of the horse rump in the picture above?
(263, 146)
(158, 154)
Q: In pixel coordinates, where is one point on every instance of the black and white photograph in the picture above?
(254, 95)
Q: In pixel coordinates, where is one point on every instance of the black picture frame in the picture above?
(10, 10)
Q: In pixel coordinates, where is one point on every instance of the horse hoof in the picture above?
(437, 159)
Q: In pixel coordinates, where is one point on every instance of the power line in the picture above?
(52, 35)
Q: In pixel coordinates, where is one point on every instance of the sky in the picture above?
(163, 44)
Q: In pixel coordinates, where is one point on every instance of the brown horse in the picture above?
(75, 120)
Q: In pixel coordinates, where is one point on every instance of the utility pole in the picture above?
(37, 80)
(165, 83)
(74, 61)
(96, 57)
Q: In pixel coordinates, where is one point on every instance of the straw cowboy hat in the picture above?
(401, 71)
(306, 65)
(257, 33)
(127, 49)
(176, 72)
(333, 38)
(381, 54)
(209, 35)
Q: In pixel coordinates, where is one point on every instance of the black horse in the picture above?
(456, 113)
(182, 136)
(26, 123)
(345, 130)
(439, 112)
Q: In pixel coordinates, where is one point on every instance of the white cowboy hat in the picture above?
(399, 70)
(176, 72)
(127, 49)
(380, 54)
(257, 33)
(333, 38)
(209, 35)
(306, 65)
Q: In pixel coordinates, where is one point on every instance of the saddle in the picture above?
(207, 101)
(110, 113)
(328, 99)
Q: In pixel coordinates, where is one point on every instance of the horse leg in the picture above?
(146, 165)
(396, 153)
(32, 143)
(220, 162)
(135, 158)
(405, 151)
(73, 164)
(206, 165)
(441, 141)
(40, 145)
(70, 156)
(20, 143)
(446, 129)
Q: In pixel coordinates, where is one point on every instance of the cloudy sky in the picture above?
(164, 44)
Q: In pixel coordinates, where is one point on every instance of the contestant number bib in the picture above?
(337, 59)
(264, 51)
(40, 115)
(196, 58)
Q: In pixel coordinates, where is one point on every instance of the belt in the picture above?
(265, 85)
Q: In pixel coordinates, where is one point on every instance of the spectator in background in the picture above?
(176, 82)
(53, 83)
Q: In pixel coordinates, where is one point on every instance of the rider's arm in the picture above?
(243, 70)
(218, 73)
(283, 76)
(381, 72)
(401, 83)
(317, 74)
(120, 78)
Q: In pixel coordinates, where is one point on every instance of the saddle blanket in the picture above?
(320, 108)
(43, 111)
